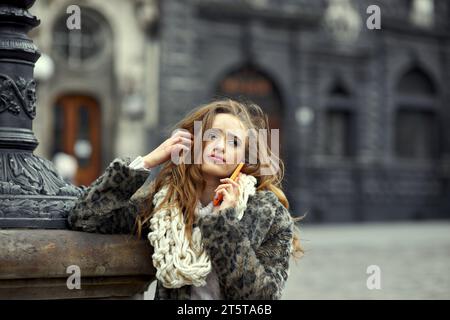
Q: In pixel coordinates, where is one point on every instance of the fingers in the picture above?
(178, 144)
(182, 140)
(225, 193)
(222, 186)
(228, 180)
(187, 142)
(232, 187)
(183, 134)
(178, 147)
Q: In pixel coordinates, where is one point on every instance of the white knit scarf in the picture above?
(176, 262)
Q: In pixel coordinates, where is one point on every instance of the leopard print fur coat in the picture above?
(250, 256)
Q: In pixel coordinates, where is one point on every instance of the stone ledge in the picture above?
(33, 264)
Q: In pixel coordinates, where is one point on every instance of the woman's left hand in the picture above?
(230, 191)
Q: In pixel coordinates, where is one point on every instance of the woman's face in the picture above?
(224, 147)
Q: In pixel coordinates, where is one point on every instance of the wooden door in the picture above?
(77, 127)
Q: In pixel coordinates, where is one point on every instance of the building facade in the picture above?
(97, 81)
(363, 113)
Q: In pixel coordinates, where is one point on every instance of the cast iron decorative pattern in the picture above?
(30, 189)
(35, 208)
(26, 174)
(16, 95)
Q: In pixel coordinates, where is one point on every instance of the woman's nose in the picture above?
(219, 145)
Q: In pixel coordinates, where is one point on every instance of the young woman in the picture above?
(239, 249)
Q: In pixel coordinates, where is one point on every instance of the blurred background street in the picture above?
(413, 258)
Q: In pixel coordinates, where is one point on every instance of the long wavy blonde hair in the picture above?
(185, 180)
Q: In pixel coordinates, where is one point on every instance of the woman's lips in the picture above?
(216, 158)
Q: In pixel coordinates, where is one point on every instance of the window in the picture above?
(416, 81)
(339, 122)
(417, 134)
(79, 45)
(338, 137)
(249, 83)
(416, 123)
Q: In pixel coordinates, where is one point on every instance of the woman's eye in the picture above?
(234, 142)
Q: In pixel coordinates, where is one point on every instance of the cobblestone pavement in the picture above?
(414, 260)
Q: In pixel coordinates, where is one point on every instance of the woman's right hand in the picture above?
(181, 139)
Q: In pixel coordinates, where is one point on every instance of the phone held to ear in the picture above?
(217, 201)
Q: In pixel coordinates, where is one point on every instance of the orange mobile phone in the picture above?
(233, 177)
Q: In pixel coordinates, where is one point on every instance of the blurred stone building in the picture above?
(97, 85)
(364, 113)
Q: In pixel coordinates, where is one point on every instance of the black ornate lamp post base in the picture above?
(32, 194)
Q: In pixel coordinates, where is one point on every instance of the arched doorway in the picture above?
(340, 123)
(249, 83)
(417, 123)
(76, 129)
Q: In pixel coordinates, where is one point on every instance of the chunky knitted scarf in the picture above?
(176, 262)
